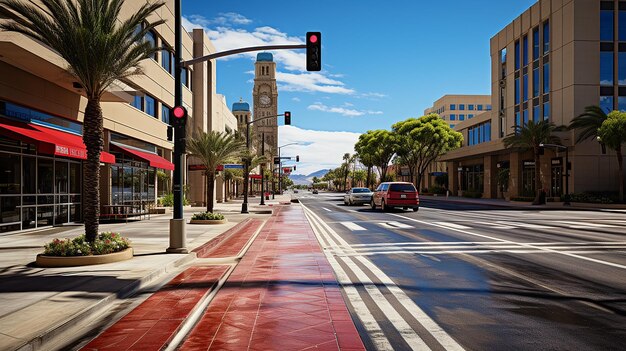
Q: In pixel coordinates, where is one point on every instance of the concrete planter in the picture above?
(208, 221)
(73, 261)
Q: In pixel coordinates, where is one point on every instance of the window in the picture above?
(470, 116)
(517, 94)
(546, 111)
(184, 77)
(606, 103)
(621, 103)
(525, 50)
(621, 68)
(461, 107)
(606, 68)
(479, 107)
(452, 107)
(525, 87)
(525, 116)
(470, 107)
(536, 43)
(150, 106)
(606, 21)
(137, 102)
(165, 113)
(151, 37)
(517, 55)
(546, 78)
(546, 37)
(517, 119)
(536, 82)
(453, 117)
(622, 25)
(166, 60)
(488, 107)
(479, 133)
(536, 115)
(503, 55)
(461, 117)
(452, 125)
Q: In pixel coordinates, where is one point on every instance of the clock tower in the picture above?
(265, 97)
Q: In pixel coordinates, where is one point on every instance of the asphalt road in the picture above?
(454, 276)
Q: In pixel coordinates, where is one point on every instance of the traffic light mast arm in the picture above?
(240, 51)
(260, 119)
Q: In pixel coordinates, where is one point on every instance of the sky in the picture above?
(383, 61)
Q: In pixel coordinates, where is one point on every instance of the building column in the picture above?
(515, 174)
(219, 188)
(489, 177)
(105, 174)
(453, 177)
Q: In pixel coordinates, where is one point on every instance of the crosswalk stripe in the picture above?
(522, 225)
(578, 225)
(400, 225)
(451, 225)
(352, 226)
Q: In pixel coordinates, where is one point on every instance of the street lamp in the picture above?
(566, 202)
(280, 167)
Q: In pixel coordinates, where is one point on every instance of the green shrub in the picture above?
(168, 200)
(208, 216)
(435, 189)
(472, 194)
(596, 197)
(105, 243)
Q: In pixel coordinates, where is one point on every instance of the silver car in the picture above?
(358, 196)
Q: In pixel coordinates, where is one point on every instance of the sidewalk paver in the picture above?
(281, 296)
(231, 242)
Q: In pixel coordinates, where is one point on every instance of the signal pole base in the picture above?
(244, 208)
(178, 237)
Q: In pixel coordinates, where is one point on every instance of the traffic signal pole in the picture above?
(178, 237)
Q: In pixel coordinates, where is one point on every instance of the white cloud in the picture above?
(319, 149)
(222, 19)
(318, 106)
(224, 37)
(296, 99)
(373, 95)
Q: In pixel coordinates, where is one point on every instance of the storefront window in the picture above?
(10, 174)
(61, 177)
(45, 176)
(528, 179)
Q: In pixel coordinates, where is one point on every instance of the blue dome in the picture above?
(264, 56)
(241, 106)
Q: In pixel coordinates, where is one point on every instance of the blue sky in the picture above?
(383, 61)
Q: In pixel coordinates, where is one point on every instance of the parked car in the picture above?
(395, 194)
(357, 196)
(315, 191)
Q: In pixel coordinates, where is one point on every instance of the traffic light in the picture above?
(287, 118)
(313, 51)
(297, 158)
(276, 160)
(294, 167)
(178, 116)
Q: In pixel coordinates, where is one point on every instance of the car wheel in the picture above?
(415, 209)
(373, 204)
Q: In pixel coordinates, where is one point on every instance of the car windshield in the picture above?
(402, 187)
(360, 190)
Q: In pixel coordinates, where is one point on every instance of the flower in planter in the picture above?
(208, 216)
(105, 243)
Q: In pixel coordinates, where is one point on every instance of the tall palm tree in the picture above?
(212, 149)
(346, 169)
(254, 160)
(99, 49)
(588, 123)
(529, 137)
(612, 132)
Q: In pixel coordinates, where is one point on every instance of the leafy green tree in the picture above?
(99, 49)
(212, 149)
(529, 137)
(359, 176)
(422, 140)
(612, 133)
(380, 146)
(587, 125)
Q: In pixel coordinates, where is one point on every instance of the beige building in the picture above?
(458, 108)
(41, 114)
(551, 62)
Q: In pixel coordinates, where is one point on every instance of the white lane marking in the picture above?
(405, 330)
(464, 252)
(524, 225)
(385, 225)
(352, 226)
(579, 225)
(400, 225)
(493, 226)
(420, 243)
(452, 225)
(414, 310)
(370, 324)
(611, 264)
(324, 208)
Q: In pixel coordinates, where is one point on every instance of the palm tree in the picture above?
(612, 132)
(346, 169)
(254, 160)
(99, 49)
(212, 149)
(531, 136)
(588, 123)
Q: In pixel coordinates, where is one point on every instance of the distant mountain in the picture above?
(301, 179)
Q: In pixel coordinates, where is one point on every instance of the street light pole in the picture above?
(262, 173)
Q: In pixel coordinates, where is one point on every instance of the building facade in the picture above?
(551, 62)
(41, 114)
(457, 108)
(265, 97)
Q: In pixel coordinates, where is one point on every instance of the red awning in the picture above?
(154, 159)
(255, 176)
(74, 140)
(50, 141)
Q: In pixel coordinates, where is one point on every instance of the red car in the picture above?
(396, 194)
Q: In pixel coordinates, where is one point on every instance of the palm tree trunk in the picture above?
(92, 137)
(620, 163)
(369, 172)
(538, 183)
(211, 184)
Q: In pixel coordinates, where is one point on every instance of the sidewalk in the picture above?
(40, 308)
(282, 295)
(523, 205)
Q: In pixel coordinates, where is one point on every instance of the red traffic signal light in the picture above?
(180, 116)
(313, 51)
(297, 158)
(287, 118)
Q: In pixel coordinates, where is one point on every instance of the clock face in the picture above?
(265, 100)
